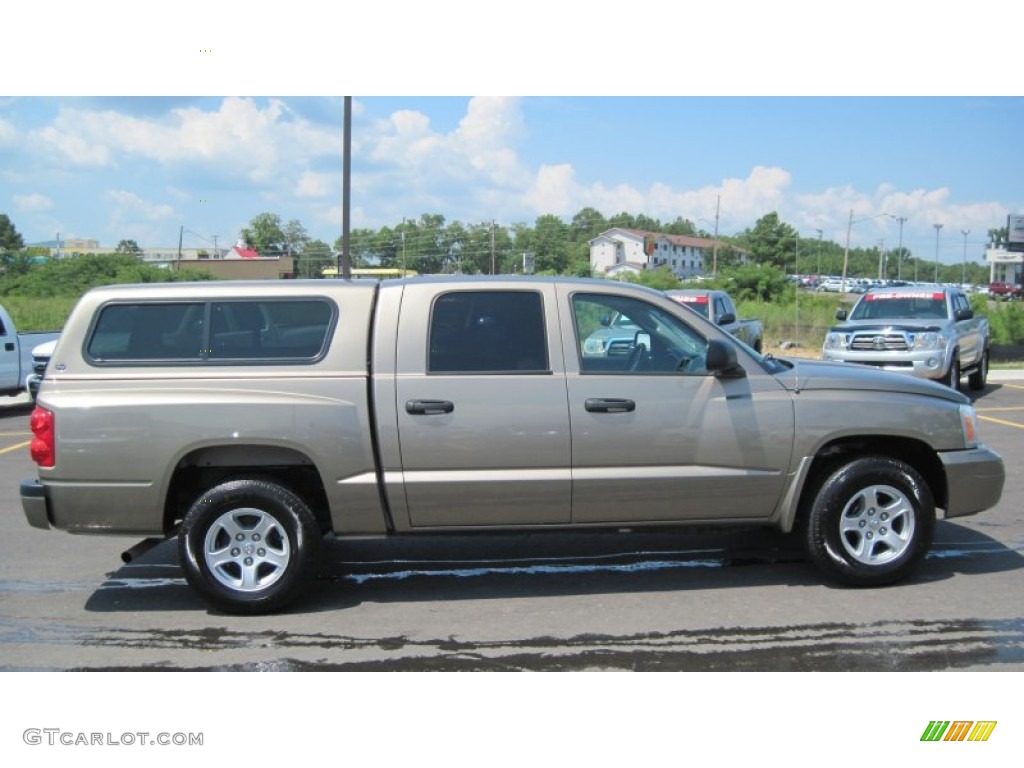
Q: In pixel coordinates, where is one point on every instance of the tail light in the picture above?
(43, 448)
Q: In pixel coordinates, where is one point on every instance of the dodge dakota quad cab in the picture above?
(929, 332)
(250, 420)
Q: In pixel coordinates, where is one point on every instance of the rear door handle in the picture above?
(428, 407)
(609, 405)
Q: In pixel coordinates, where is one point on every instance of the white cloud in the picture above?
(8, 133)
(240, 138)
(312, 184)
(32, 203)
(128, 205)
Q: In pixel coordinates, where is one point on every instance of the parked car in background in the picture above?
(1005, 291)
(929, 332)
(16, 363)
(718, 307)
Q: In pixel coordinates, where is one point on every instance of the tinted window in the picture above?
(487, 332)
(222, 330)
(148, 332)
(268, 329)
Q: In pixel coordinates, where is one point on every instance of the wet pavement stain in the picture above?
(882, 646)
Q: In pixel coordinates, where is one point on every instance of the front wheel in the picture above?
(249, 546)
(871, 522)
(980, 374)
(953, 377)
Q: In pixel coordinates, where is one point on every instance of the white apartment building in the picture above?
(617, 250)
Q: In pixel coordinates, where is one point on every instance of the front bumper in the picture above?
(35, 502)
(924, 364)
(974, 480)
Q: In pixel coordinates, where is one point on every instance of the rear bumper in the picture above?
(974, 480)
(35, 502)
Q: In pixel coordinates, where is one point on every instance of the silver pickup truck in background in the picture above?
(718, 307)
(249, 419)
(926, 331)
(16, 361)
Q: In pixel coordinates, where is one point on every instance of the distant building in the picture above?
(619, 250)
(1005, 266)
(237, 263)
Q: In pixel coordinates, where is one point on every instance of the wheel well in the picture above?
(915, 453)
(205, 468)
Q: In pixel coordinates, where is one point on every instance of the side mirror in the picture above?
(642, 339)
(727, 319)
(840, 314)
(721, 360)
(964, 314)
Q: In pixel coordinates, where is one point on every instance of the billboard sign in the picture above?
(1015, 230)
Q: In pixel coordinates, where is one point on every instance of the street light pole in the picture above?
(963, 272)
(899, 259)
(846, 253)
(821, 233)
(937, 228)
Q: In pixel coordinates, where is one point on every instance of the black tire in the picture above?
(249, 546)
(979, 376)
(952, 379)
(871, 522)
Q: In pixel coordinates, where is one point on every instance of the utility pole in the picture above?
(714, 248)
(937, 228)
(492, 247)
(345, 257)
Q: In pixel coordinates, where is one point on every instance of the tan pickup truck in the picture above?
(250, 419)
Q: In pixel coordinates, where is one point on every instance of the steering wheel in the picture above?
(636, 355)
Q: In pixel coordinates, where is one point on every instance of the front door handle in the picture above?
(428, 407)
(609, 405)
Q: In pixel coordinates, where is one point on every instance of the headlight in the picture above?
(969, 424)
(593, 347)
(928, 340)
(837, 340)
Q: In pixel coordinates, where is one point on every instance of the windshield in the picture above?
(697, 302)
(901, 305)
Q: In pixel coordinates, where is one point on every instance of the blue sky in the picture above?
(142, 167)
(125, 131)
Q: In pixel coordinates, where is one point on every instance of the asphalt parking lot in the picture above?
(647, 601)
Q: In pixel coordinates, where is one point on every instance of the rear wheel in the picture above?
(978, 377)
(871, 522)
(249, 546)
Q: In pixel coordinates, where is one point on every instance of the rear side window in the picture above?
(295, 330)
(488, 332)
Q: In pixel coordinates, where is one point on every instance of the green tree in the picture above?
(128, 246)
(661, 279)
(265, 235)
(550, 244)
(10, 239)
(750, 282)
(771, 241)
(295, 237)
(316, 254)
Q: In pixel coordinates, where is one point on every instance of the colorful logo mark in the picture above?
(959, 730)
